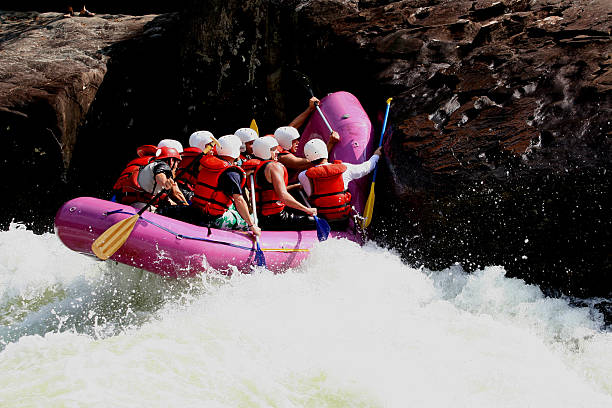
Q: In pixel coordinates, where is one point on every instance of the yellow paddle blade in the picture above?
(254, 126)
(215, 141)
(113, 238)
(369, 209)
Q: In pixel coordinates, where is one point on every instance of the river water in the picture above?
(352, 327)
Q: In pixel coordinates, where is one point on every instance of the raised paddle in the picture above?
(369, 207)
(306, 83)
(254, 126)
(260, 259)
(113, 238)
(323, 227)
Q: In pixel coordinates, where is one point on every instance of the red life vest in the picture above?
(268, 202)
(328, 193)
(127, 189)
(191, 157)
(207, 195)
(146, 150)
(250, 165)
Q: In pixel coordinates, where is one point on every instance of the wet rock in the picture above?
(500, 152)
(499, 143)
(51, 69)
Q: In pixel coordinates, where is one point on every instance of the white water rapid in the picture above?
(352, 327)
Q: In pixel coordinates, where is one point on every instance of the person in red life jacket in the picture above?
(171, 143)
(326, 184)
(200, 144)
(247, 136)
(288, 139)
(146, 176)
(276, 208)
(218, 191)
(176, 190)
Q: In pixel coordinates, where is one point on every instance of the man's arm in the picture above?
(356, 171)
(177, 193)
(301, 118)
(275, 173)
(290, 161)
(243, 210)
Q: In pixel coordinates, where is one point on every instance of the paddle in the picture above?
(254, 126)
(260, 259)
(113, 238)
(369, 207)
(306, 83)
(323, 228)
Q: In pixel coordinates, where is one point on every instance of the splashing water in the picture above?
(353, 326)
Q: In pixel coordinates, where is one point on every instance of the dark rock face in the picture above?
(498, 150)
(52, 68)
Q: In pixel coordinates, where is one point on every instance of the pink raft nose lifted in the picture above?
(173, 248)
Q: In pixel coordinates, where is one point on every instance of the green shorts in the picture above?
(230, 220)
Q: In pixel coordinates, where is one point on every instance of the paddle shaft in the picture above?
(150, 203)
(382, 134)
(259, 256)
(253, 204)
(369, 206)
(305, 199)
(321, 112)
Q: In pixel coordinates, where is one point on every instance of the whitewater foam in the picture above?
(352, 326)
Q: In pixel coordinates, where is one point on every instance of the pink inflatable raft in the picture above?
(173, 248)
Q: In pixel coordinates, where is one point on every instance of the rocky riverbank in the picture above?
(499, 143)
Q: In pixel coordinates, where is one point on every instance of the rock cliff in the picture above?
(498, 149)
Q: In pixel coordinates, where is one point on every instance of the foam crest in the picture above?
(352, 326)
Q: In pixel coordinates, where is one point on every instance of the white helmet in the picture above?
(175, 144)
(315, 149)
(200, 139)
(246, 135)
(229, 145)
(262, 147)
(286, 135)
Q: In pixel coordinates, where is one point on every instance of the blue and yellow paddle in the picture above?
(369, 207)
(260, 259)
(323, 228)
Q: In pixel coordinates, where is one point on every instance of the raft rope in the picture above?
(213, 241)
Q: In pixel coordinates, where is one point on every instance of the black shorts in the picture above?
(287, 220)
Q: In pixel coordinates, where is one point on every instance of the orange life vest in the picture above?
(207, 195)
(328, 193)
(190, 162)
(268, 202)
(127, 189)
